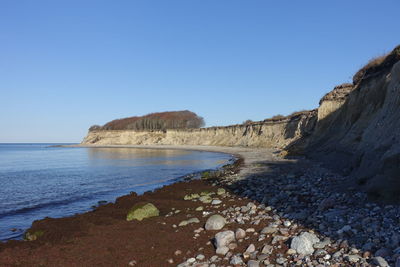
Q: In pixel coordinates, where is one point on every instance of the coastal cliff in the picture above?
(359, 133)
(258, 134)
(355, 130)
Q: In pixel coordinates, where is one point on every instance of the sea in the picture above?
(46, 180)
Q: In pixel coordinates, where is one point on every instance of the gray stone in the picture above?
(214, 258)
(186, 222)
(215, 222)
(278, 238)
(380, 262)
(269, 230)
(280, 260)
(323, 243)
(244, 209)
(183, 223)
(262, 257)
(240, 233)
(193, 220)
(253, 263)
(251, 248)
(222, 250)
(352, 258)
(337, 255)
(232, 246)
(222, 239)
(236, 260)
(200, 257)
(216, 202)
(267, 249)
(287, 223)
(303, 243)
(191, 260)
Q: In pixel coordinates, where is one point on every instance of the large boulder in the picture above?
(215, 222)
(142, 211)
(303, 244)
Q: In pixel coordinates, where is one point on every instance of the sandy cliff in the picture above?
(356, 129)
(359, 134)
(259, 134)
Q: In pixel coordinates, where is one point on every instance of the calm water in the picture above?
(38, 181)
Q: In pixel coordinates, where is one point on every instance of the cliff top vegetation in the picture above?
(155, 121)
(376, 65)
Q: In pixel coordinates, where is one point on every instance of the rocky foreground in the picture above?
(300, 214)
(273, 212)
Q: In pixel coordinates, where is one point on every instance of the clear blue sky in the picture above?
(65, 65)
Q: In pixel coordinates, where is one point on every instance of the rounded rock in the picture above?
(236, 260)
(240, 233)
(303, 243)
(215, 222)
(222, 239)
(222, 251)
(253, 263)
(142, 211)
(216, 202)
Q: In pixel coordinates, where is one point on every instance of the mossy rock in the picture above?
(205, 174)
(206, 199)
(191, 196)
(221, 191)
(207, 193)
(33, 236)
(142, 211)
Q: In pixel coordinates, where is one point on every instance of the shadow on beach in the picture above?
(319, 199)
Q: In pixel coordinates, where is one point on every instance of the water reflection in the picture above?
(133, 153)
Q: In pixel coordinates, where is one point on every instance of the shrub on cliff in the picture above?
(94, 128)
(156, 121)
(376, 65)
(298, 113)
(278, 117)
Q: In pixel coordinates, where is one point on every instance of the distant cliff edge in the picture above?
(355, 129)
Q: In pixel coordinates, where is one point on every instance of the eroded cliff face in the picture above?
(361, 134)
(260, 134)
(356, 130)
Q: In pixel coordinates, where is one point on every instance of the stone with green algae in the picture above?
(142, 211)
(33, 236)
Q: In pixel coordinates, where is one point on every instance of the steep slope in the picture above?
(359, 133)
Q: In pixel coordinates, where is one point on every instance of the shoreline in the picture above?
(229, 163)
(233, 167)
(267, 205)
(250, 155)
